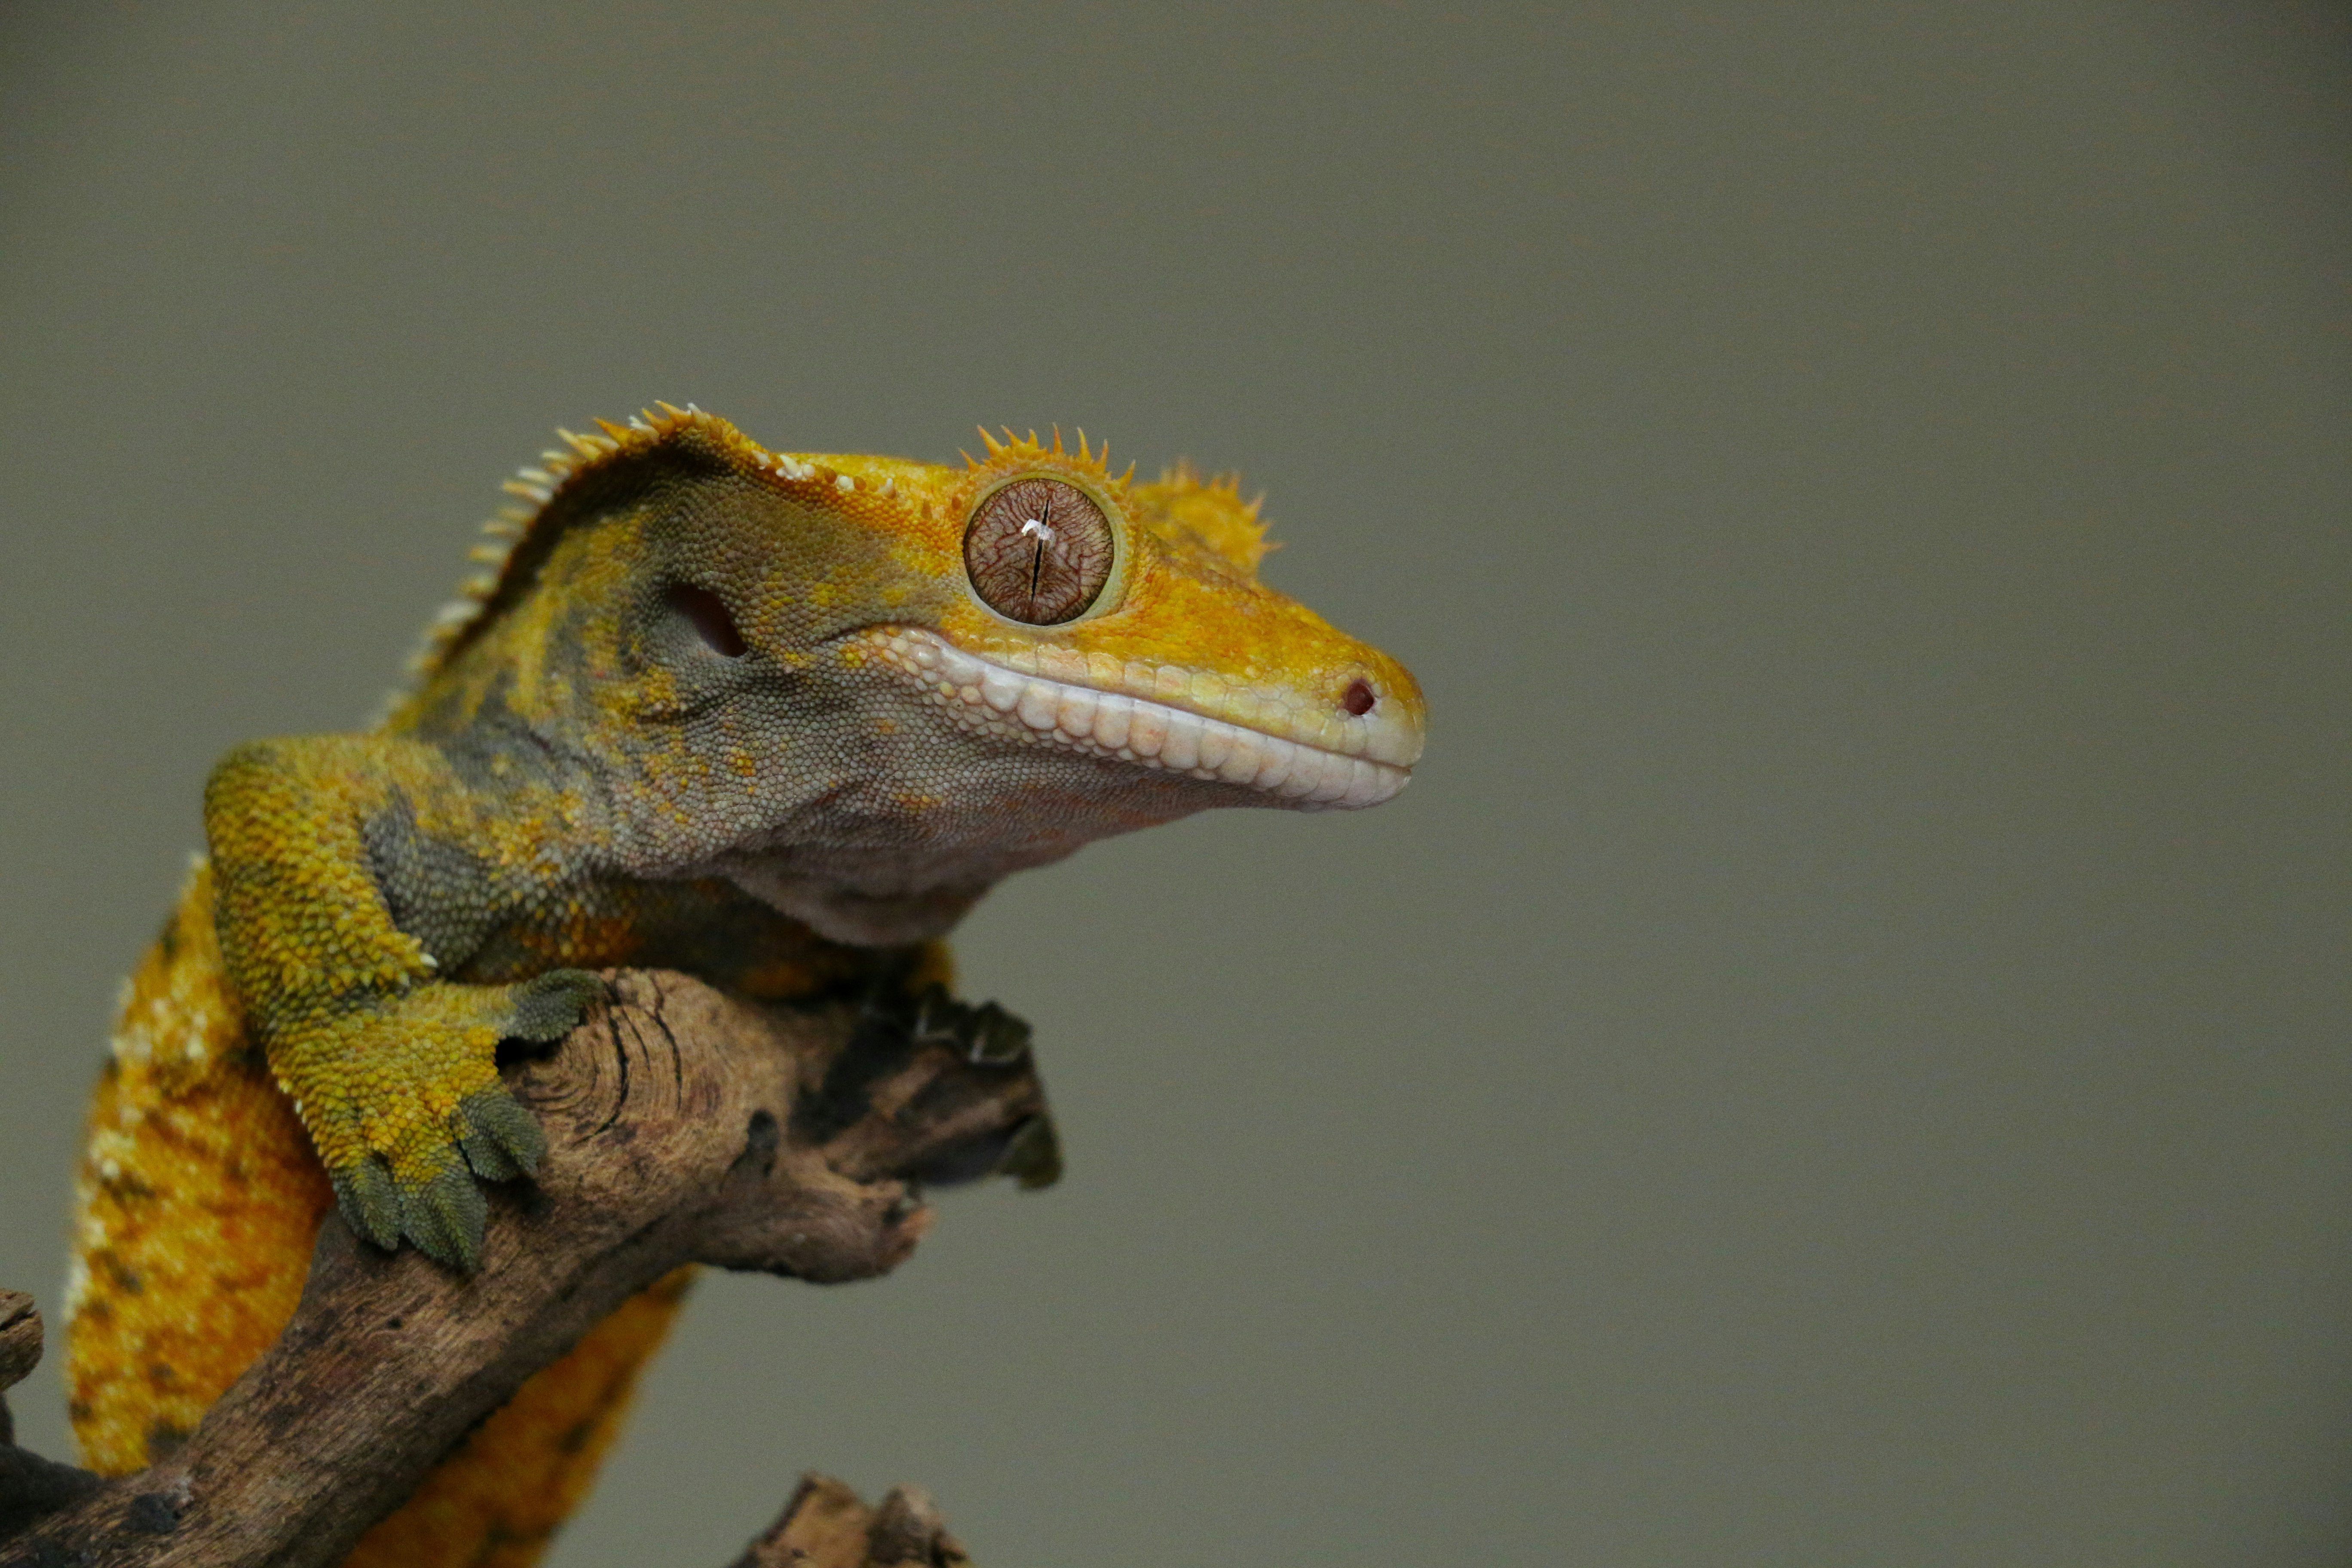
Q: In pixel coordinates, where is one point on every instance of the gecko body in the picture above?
(773, 719)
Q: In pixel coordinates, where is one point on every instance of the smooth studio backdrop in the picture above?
(1841, 1055)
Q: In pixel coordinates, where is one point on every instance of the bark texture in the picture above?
(684, 1126)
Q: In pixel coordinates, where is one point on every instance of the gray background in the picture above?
(1840, 1055)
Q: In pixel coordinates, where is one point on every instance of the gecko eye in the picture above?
(706, 611)
(1038, 551)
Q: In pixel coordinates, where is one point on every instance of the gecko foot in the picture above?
(404, 1104)
(893, 1025)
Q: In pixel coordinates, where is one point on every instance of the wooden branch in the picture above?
(826, 1526)
(30, 1486)
(20, 1349)
(683, 1126)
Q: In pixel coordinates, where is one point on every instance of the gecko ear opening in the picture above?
(707, 613)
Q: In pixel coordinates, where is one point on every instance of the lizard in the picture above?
(773, 719)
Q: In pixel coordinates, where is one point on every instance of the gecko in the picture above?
(773, 719)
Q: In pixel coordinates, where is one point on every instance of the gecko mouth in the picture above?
(989, 698)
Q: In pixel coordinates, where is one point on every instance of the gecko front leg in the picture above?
(392, 1068)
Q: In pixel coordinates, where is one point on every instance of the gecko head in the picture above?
(866, 687)
(1125, 625)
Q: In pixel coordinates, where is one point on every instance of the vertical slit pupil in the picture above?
(1358, 700)
(1044, 521)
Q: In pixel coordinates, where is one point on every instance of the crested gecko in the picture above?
(773, 719)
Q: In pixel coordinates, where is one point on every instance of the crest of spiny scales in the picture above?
(538, 485)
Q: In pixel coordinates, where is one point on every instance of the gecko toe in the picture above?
(552, 1005)
(499, 1139)
(994, 1038)
(987, 1035)
(444, 1215)
(369, 1201)
(1034, 1157)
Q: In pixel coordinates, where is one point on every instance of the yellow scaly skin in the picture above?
(743, 713)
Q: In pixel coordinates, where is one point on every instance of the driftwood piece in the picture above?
(684, 1126)
(20, 1349)
(30, 1486)
(826, 1526)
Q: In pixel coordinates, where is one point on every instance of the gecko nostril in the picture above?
(1358, 700)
